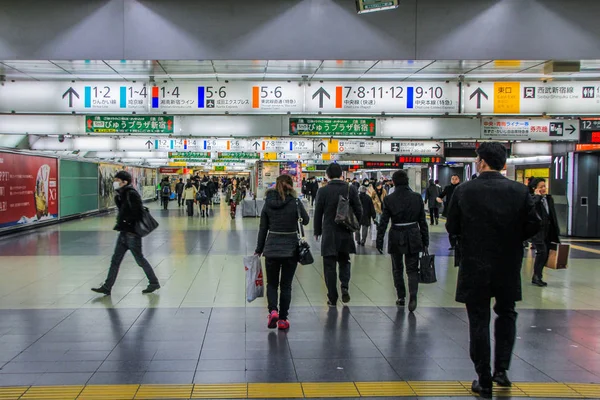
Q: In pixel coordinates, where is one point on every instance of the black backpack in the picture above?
(166, 190)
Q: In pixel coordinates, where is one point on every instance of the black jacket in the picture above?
(277, 236)
(129, 204)
(492, 216)
(549, 231)
(179, 187)
(431, 195)
(212, 189)
(335, 238)
(368, 209)
(404, 206)
(447, 194)
(162, 189)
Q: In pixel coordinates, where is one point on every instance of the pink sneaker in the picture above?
(273, 318)
(283, 325)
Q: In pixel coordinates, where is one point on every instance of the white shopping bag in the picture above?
(373, 232)
(254, 278)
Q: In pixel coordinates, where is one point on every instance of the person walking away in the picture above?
(313, 188)
(278, 242)
(431, 195)
(491, 216)
(130, 209)
(337, 242)
(166, 193)
(378, 194)
(355, 183)
(179, 188)
(446, 196)
(234, 194)
(549, 231)
(158, 192)
(212, 191)
(203, 201)
(368, 215)
(189, 197)
(409, 236)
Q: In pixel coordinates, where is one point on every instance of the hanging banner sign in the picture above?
(532, 98)
(128, 124)
(421, 148)
(67, 97)
(529, 129)
(419, 160)
(332, 127)
(189, 154)
(378, 97)
(234, 97)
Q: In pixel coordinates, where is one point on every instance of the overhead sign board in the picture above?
(419, 160)
(530, 129)
(381, 164)
(532, 98)
(383, 97)
(333, 126)
(67, 97)
(367, 6)
(234, 97)
(128, 124)
(420, 148)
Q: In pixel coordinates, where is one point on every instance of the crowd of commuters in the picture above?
(488, 219)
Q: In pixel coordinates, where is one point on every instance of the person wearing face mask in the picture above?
(549, 232)
(378, 194)
(129, 204)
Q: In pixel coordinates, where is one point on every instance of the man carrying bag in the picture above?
(337, 240)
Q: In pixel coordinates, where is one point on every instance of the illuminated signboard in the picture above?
(367, 6)
(381, 164)
(419, 160)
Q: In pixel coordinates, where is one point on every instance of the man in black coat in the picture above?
(549, 232)
(446, 196)
(368, 216)
(409, 235)
(179, 187)
(130, 205)
(491, 216)
(337, 242)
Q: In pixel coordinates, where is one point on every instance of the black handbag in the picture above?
(305, 257)
(147, 224)
(344, 215)
(427, 268)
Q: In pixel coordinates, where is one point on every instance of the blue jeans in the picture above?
(133, 243)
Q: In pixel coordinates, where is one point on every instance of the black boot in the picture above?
(485, 392)
(501, 378)
(151, 288)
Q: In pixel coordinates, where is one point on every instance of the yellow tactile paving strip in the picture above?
(296, 390)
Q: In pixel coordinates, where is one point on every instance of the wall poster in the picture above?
(28, 189)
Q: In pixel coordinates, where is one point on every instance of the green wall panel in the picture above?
(78, 187)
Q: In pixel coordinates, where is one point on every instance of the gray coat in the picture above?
(335, 238)
(492, 216)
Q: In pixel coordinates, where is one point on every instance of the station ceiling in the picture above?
(397, 70)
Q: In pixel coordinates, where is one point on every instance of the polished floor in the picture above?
(198, 329)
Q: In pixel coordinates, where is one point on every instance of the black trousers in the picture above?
(132, 242)
(412, 271)
(190, 207)
(453, 240)
(165, 202)
(280, 275)
(505, 330)
(434, 215)
(331, 276)
(179, 199)
(542, 251)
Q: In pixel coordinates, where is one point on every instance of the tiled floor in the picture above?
(199, 329)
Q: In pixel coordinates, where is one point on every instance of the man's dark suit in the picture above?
(492, 216)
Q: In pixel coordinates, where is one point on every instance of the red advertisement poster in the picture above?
(28, 189)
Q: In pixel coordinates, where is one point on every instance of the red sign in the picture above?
(595, 137)
(381, 164)
(28, 189)
(169, 170)
(419, 160)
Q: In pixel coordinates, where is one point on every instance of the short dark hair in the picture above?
(400, 178)
(124, 176)
(494, 154)
(455, 175)
(334, 171)
(534, 182)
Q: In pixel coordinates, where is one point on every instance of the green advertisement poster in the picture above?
(357, 127)
(129, 124)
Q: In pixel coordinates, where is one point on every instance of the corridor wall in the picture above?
(78, 187)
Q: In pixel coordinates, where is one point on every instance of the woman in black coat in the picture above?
(549, 231)
(369, 215)
(278, 242)
(408, 237)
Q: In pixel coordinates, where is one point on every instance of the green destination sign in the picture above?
(128, 124)
(238, 155)
(190, 154)
(332, 126)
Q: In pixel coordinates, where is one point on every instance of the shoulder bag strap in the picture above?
(300, 227)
